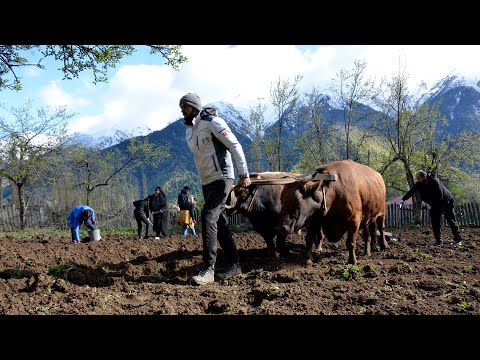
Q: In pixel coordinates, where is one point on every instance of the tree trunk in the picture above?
(21, 207)
(416, 199)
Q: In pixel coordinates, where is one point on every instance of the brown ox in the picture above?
(355, 200)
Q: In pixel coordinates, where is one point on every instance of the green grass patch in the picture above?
(350, 271)
(60, 271)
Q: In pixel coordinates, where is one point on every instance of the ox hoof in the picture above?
(309, 262)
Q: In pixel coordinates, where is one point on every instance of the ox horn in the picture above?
(307, 177)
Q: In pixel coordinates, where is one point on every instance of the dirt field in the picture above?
(48, 275)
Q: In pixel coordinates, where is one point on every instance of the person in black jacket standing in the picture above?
(141, 214)
(158, 205)
(434, 193)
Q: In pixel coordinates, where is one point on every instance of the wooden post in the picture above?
(471, 220)
(477, 214)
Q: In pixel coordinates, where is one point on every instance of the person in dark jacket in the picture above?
(141, 214)
(185, 204)
(157, 203)
(434, 193)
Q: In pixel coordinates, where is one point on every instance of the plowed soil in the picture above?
(120, 275)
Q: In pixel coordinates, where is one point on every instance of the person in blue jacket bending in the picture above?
(81, 214)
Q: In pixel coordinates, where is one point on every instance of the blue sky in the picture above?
(142, 93)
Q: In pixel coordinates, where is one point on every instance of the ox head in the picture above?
(304, 201)
(237, 199)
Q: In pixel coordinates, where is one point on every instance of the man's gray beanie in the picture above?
(193, 100)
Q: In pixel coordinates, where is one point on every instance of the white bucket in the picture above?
(94, 235)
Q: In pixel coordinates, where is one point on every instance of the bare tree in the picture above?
(255, 126)
(30, 144)
(354, 92)
(98, 166)
(285, 100)
(415, 136)
(314, 141)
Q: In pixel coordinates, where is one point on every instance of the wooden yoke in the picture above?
(291, 179)
(328, 177)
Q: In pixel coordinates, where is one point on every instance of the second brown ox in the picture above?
(355, 200)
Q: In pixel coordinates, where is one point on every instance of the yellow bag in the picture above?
(185, 218)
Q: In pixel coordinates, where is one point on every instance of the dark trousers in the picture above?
(160, 224)
(436, 215)
(141, 219)
(215, 223)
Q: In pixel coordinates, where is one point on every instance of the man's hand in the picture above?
(94, 221)
(401, 203)
(244, 182)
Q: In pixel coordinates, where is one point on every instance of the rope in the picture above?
(251, 201)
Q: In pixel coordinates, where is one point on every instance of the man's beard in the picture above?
(189, 119)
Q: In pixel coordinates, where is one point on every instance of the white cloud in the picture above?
(86, 124)
(54, 95)
(428, 63)
(140, 96)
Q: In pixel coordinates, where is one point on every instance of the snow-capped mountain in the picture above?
(449, 82)
(230, 114)
(460, 102)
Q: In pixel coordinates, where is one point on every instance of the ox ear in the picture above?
(309, 188)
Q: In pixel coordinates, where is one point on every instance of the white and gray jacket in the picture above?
(213, 144)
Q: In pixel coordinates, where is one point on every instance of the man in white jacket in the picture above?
(213, 145)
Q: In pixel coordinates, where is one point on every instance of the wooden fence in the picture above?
(467, 215)
(44, 217)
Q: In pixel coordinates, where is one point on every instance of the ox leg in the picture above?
(372, 227)
(381, 227)
(319, 240)
(367, 238)
(282, 244)
(351, 244)
(309, 240)
(270, 245)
